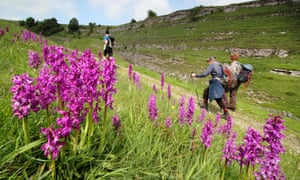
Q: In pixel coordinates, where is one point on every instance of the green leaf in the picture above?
(20, 150)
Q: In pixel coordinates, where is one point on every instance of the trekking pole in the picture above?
(196, 90)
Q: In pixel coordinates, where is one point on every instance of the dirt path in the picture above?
(291, 143)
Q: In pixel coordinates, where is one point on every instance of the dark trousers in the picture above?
(220, 101)
(232, 91)
(108, 51)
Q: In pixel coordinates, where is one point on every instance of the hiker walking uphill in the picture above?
(215, 90)
(108, 44)
(240, 74)
(232, 88)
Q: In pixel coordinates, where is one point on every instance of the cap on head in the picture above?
(212, 58)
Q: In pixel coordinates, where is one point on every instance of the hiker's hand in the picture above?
(193, 75)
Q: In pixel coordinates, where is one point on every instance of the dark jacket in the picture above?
(216, 89)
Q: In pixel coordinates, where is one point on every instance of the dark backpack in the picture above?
(112, 41)
(245, 73)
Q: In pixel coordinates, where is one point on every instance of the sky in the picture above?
(101, 12)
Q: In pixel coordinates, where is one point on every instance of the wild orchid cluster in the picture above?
(202, 115)
(76, 83)
(152, 109)
(130, 71)
(27, 36)
(186, 115)
(34, 59)
(162, 80)
(25, 97)
(108, 80)
(269, 163)
(136, 79)
(181, 110)
(116, 122)
(168, 122)
(263, 151)
(169, 90)
(3, 31)
(225, 129)
(207, 134)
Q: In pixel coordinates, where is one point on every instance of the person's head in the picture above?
(211, 59)
(234, 56)
(107, 31)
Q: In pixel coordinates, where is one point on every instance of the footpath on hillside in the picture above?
(291, 143)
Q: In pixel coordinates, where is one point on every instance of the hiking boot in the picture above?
(225, 115)
(231, 108)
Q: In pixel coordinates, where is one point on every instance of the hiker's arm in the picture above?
(206, 73)
(105, 40)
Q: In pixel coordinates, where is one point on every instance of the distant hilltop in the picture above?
(200, 11)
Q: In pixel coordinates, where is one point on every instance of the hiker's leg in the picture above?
(232, 102)
(233, 94)
(225, 99)
(205, 98)
(223, 106)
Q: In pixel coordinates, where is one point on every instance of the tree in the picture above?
(133, 21)
(48, 27)
(73, 25)
(151, 14)
(30, 22)
(91, 27)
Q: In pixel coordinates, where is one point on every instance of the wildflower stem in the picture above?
(204, 153)
(48, 116)
(52, 167)
(26, 130)
(224, 170)
(104, 130)
(75, 143)
(240, 175)
(246, 173)
(90, 127)
(85, 133)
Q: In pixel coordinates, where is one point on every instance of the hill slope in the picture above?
(266, 33)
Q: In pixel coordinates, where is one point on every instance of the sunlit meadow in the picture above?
(67, 114)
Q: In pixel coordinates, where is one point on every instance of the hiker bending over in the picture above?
(234, 86)
(215, 90)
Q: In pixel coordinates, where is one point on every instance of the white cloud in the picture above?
(113, 11)
(137, 9)
(160, 7)
(37, 8)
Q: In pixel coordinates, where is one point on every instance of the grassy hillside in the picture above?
(146, 149)
(179, 47)
(138, 148)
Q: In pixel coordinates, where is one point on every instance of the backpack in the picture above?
(111, 41)
(245, 73)
(228, 75)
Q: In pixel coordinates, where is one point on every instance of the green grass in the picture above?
(147, 150)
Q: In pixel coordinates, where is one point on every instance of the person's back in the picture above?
(108, 48)
(236, 69)
(235, 64)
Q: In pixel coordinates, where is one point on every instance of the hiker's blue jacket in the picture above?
(214, 69)
(216, 89)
